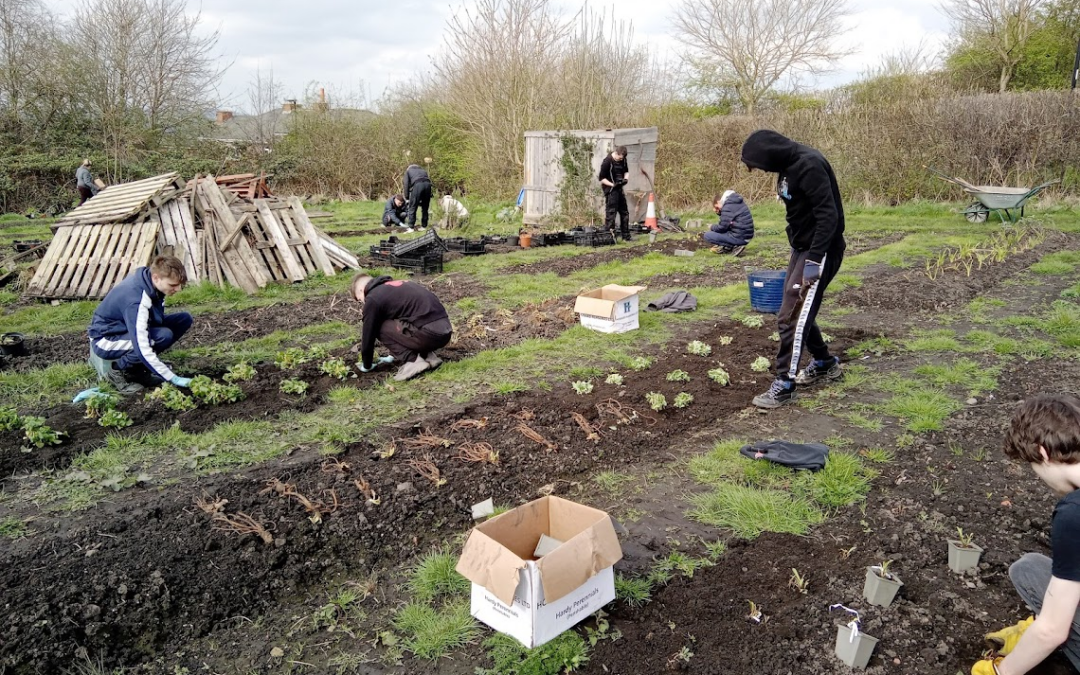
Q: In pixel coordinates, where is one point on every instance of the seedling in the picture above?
(478, 453)
(100, 403)
(215, 393)
(241, 372)
(753, 321)
(678, 376)
(760, 365)
(290, 358)
(582, 387)
(318, 353)
(679, 658)
(9, 419)
(798, 581)
(335, 367)
(725, 340)
(755, 614)
(426, 468)
(720, 376)
(614, 378)
(683, 400)
(40, 434)
(115, 419)
(698, 348)
(656, 400)
(591, 432)
(172, 398)
(775, 336)
(965, 540)
(639, 363)
(369, 492)
(881, 585)
(530, 433)
(293, 386)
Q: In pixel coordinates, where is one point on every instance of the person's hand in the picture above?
(811, 273)
(178, 381)
(986, 666)
(1006, 638)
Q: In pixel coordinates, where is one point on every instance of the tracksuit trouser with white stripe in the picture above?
(124, 349)
(798, 314)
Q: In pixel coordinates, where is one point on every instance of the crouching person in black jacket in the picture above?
(735, 228)
(407, 318)
(395, 212)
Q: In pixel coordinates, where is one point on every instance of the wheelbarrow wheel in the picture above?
(976, 213)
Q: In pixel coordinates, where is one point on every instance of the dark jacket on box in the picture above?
(735, 219)
(807, 186)
(386, 299)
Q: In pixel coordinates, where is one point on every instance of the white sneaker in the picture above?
(408, 230)
(411, 369)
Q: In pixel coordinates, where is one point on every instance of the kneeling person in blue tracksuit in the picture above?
(130, 328)
(735, 227)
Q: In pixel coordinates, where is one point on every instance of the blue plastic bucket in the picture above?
(766, 290)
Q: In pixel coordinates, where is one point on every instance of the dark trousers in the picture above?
(615, 203)
(124, 348)
(84, 194)
(387, 221)
(1031, 575)
(798, 314)
(723, 239)
(406, 341)
(419, 197)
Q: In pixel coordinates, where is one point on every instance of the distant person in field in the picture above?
(394, 213)
(455, 211)
(815, 227)
(612, 177)
(407, 318)
(735, 228)
(418, 192)
(130, 328)
(84, 182)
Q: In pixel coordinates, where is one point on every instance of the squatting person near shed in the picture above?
(407, 318)
(815, 228)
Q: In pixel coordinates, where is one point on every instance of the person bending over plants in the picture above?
(1045, 433)
(407, 318)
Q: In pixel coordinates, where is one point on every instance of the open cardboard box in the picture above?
(535, 600)
(610, 309)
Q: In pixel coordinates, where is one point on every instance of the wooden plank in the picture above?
(235, 268)
(90, 266)
(248, 278)
(124, 234)
(76, 256)
(333, 247)
(45, 268)
(265, 249)
(300, 217)
(296, 272)
(182, 208)
(231, 237)
(257, 269)
(297, 243)
(106, 242)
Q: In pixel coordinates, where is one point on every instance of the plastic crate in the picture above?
(463, 245)
(604, 238)
(429, 241)
(429, 263)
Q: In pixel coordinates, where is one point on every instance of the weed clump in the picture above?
(760, 365)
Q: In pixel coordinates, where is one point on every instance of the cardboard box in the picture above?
(534, 600)
(611, 309)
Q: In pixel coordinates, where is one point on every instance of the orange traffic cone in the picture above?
(650, 213)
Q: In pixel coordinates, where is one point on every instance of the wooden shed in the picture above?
(543, 172)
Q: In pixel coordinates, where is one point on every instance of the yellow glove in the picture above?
(986, 667)
(1006, 638)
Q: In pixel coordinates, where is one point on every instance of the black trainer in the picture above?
(779, 394)
(820, 370)
(738, 250)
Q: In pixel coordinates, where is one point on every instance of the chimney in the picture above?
(224, 116)
(289, 106)
(322, 106)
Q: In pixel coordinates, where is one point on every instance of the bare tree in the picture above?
(25, 37)
(1003, 26)
(264, 96)
(748, 46)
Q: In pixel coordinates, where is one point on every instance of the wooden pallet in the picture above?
(124, 202)
(178, 236)
(86, 261)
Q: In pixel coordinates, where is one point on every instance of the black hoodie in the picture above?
(387, 300)
(807, 184)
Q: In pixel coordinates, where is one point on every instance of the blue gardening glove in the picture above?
(178, 381)
(85, 394)
(367, 370)
(386, 360)
(811, 272)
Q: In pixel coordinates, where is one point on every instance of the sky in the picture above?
(357, 49)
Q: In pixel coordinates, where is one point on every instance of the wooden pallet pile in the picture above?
(220, 236)
(245, 185)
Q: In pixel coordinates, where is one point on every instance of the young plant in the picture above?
(318, 353)
(240, 372)
(115, 419)
(720, 376)
(582, 387)
(683, 400)
(760, 365)
(725, 340)
(614, 378)
(290, 358)
(215, 393)
(639, 363)
(39, 434)
(775, 337)
(9, 419)
(293, 386)
(965, 540)
(753, 321)
(882, 569)
(100, 403)
(172, 398)
(799, 582)
(656, 401)
(678, 376)
(699, 348)
(335, 368)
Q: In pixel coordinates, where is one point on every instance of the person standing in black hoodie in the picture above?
(418, 192)
(612, 178)
(407, 318)
(815, 227)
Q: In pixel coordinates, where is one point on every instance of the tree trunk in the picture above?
(1004, 78)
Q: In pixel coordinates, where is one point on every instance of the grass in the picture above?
(431, 633)
(922, 409)
(434, 577)
(842, 482)
(1061, 262)
(611, 482)
(49, 386)
(564, 654)
(13, 528)
(942, 340)
(975, 378)
(749, 511)
(634, 591)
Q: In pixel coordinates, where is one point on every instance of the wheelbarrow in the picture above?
(1006, 202)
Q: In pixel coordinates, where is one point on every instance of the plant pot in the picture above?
(855, 653)
(512, 240)
(652, 237)
(961, 558)
(879, 590)
(12, 344)
(525, 240)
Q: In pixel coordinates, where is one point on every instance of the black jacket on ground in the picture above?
(414, 175)
(735, 218)
(807, 185)
(387, 300)
(613, 171)
(392, 213)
